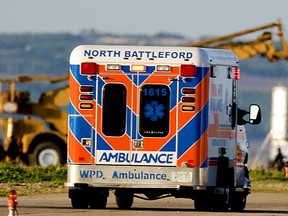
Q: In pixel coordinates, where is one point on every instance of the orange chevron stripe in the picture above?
(76, 152)
(197, 153)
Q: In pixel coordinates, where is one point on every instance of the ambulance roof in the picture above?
(152, 55)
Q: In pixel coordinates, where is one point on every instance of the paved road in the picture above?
(271, 204)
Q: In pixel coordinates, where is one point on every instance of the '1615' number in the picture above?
(154, 92)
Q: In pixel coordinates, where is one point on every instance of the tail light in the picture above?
(188, 71)
(237, 73)
(89, 68)
(86, 88)
(86, 97)
(188, 91)
(188, 99)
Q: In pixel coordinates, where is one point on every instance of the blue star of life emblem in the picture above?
(154, 110)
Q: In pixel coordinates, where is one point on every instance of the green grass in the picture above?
(15, 173)
(261, 174)
(268, 180)
(30, 180)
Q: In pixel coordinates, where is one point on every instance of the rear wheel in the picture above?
(46, 153)
(124, 198)
(79, 203)
(221, 201)
(202, 204)
(238, 202)
(100, 199)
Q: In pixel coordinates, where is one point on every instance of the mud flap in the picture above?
(224, 191)
(225, 175)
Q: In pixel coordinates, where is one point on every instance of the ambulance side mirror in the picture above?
(254, 114)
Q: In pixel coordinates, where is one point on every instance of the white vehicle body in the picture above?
(155, 121)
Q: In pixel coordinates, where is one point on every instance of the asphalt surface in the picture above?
(271, 204)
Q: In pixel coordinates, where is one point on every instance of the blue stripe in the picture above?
(79, 127)
(128, 120)
(82, 79)
(101, 83)
(72, 109)
(193, 130)
(102, 144)
(205, 163)
(93, 142)
(173, 98)
(134, 132)
(170, 146)
(142, 78)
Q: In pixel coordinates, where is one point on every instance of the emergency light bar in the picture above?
(89, 68)
(188, 70)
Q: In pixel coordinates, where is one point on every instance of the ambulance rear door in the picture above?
(136, 117)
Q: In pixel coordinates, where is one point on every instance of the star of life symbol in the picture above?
(154, 110)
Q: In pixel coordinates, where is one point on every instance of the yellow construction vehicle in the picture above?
(263, 45)
(33, 132)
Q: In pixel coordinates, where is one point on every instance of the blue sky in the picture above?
(190, 18)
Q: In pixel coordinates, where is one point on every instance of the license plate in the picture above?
(181, 176)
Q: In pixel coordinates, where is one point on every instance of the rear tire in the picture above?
(100, 200)
(124, 198)
(202, 204)
(221, 201)
(46, 153)
(238, 202)
(78, 203)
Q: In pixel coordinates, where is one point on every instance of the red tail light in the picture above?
(86, 97)
(86, 88)
(237, 73)
(188, 99)
(188, 91)
(89, 68)
(188, 70)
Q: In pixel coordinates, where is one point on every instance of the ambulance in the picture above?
(152, 122)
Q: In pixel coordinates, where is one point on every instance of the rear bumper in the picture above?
(135, 176)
